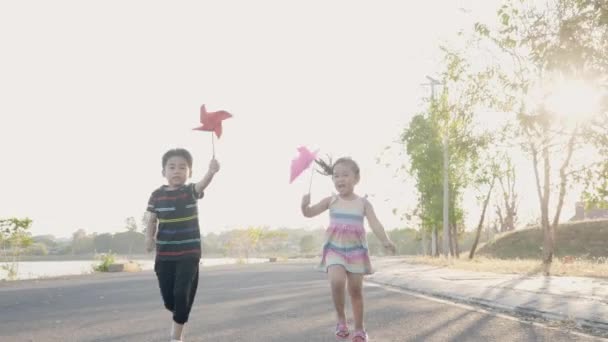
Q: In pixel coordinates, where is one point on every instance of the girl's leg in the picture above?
(355, 290)
(186, 283)
(337, 281)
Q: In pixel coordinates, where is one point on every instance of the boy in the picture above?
(173, 229)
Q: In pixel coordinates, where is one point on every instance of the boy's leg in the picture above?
(165, 272)
(194, 286)
(177, 330)
(186, 283)
(355, 290)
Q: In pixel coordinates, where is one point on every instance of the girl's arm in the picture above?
(377, 227)
(316, 209)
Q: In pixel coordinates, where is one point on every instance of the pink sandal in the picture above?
(342, 332)
(360, 336)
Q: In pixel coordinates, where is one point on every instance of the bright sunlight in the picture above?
(573, 100)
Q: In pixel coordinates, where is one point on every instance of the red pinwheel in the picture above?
(302, 162)
(212, 122)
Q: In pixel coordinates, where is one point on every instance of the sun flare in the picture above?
(573, 100)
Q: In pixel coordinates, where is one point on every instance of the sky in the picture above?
(93, 93)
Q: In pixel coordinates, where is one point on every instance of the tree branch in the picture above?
(564, 178)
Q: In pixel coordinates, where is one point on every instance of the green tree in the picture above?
(485, 180)
(243, 242)
(82, 243)
(49, 241)
(451, 116)
(423, 145)
(307, 244)
(563, 39)
(507, 209)
(14, 238)
(273, 241)
(212, 244)
(132, 235)
(36, 248)
(103, 243)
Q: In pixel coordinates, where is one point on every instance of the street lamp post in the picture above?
(446, 221)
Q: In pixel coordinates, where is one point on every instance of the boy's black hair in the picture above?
(327, 167)
(178, 152)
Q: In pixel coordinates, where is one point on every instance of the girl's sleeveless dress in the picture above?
(346, 242)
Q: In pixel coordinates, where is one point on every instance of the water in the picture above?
(45, 269)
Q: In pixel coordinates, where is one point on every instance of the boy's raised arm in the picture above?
(214, 167)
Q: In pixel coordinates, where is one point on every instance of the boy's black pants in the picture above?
(178, 281)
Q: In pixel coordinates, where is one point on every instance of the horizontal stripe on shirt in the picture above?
(189, 251)
(181, 219)
(177, 242)
(177, 231)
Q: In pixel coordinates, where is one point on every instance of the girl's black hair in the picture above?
(327, 167)
(178, 152)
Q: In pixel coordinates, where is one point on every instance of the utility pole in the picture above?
(446, 202)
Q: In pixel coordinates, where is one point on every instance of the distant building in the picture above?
(588, 214)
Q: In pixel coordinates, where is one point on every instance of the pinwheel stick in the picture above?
(213, 144)
(312, 173)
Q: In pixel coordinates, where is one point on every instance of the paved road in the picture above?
(265, 302)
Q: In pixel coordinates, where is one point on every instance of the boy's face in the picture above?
(344, 179)
(176, 171)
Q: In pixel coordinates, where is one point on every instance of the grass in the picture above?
(581, 250)
(578, 267)
(586, 239)
(105, 261)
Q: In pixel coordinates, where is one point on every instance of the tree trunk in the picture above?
(563, 184)
(454, 236)
(507, 222)
(510, 219)
(434, 243)
(424, 242)
(548, 241)
(501, 220)
(481, 219)
(451, 242)
(452, 247)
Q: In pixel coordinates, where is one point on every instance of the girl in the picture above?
(345, 254)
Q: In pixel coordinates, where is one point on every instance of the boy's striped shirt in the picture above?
(178, 235)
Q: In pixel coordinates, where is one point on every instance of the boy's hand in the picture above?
(214, 166)
(305, 200)
(390, 246)
(150, 244)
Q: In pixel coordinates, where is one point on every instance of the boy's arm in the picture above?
(214, 167)
(316, 209)
(377, 227)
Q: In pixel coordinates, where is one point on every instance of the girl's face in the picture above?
(176, 171)
(344, 178)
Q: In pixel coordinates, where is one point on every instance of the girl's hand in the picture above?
(390, 246)
(214, 166)
(305, 200)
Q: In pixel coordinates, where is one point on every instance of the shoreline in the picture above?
(109, 276)
(59, 269)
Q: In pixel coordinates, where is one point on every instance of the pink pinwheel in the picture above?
(302, 162)
(212, 122)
